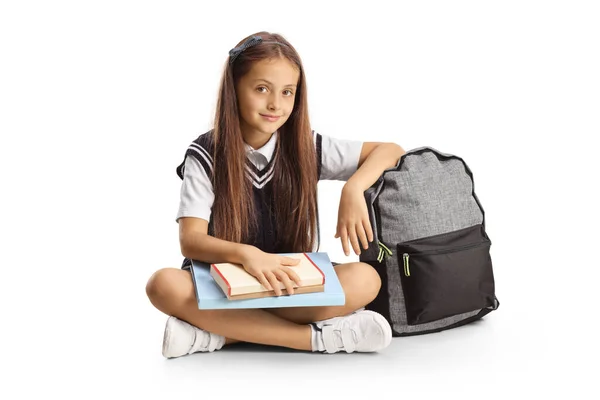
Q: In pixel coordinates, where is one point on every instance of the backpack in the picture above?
(430, 246)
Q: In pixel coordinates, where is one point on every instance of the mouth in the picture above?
(270, 118)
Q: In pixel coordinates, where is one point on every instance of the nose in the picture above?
(274, 102)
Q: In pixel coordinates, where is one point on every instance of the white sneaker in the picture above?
(361, 331)
(181, 338)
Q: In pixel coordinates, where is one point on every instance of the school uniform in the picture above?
(337, 159)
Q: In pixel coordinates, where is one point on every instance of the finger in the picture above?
(354, 241)
(283, 277)
(362, 236)
(343, 235)
(290, 261)
(274, 283)
(292, 275)
(368, 229)
(338, 230)
(263, 281)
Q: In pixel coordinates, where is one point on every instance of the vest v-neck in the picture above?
(262, 156)
(267, 168)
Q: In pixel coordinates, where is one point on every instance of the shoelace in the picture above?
(346, 336)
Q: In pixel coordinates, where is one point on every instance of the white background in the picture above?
(99, 100)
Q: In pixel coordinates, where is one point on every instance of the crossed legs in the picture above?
(171, 291)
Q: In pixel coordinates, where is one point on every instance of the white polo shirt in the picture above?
(339, 161)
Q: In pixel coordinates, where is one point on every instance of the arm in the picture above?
(196, 201)
(353, 226)
(374, 159)
(197, 244)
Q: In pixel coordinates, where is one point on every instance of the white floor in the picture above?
(510, 353)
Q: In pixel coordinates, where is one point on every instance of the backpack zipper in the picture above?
(406, 256)
(406, 265)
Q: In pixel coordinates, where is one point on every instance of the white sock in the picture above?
(316, 338)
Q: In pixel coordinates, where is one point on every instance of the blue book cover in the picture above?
(211, 297)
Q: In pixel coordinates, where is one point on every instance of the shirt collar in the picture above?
(267, 150)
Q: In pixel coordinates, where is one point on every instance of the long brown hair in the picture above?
(295, 178)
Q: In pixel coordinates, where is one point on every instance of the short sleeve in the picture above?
(339, 158)
(197, 195)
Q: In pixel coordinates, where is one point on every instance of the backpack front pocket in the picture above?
(446, 275)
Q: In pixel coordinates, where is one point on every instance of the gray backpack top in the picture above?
(430, 246)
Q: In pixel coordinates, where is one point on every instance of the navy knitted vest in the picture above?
(265, 236)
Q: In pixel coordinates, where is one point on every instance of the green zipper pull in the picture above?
(406, 264)
(384, 247)
(382, 251)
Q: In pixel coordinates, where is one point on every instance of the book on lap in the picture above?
(238, 284)
(226, 285)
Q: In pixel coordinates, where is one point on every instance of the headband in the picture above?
(252, 41)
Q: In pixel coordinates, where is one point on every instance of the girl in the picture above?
(249, 191)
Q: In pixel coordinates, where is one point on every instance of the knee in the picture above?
(372, 281)
(165, 287)
(365, 284)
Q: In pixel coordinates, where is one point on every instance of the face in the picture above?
(266, 98)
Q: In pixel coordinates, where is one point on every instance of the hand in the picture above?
(353, 220)
(270, 269)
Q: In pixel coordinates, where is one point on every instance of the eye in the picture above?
(260, 89)
(288, 92)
